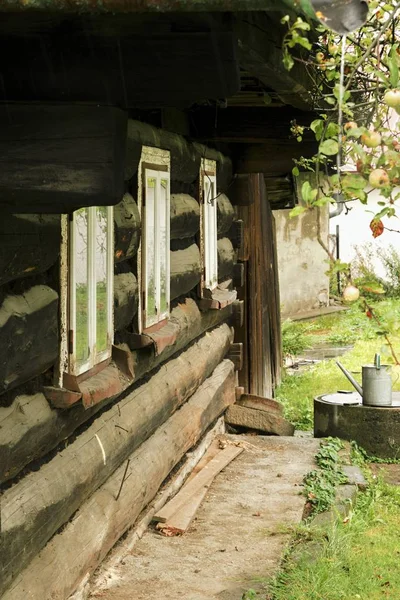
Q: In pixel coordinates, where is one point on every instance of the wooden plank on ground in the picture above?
(260, 403)
(203, 478)
(259, 420)
(181, 520)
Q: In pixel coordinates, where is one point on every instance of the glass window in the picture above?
(155, 248)
(91, 287)
(209, 225)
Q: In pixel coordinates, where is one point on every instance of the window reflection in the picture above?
(81, 286)
(163, 244)
(150, 249)
(100, 259)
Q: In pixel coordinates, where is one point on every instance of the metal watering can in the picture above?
(376, 387)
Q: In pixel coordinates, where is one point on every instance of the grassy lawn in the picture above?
(358, 557)
(350, 327)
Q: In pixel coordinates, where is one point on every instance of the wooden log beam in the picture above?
(101, 521)
(34, 508)
(29, 244)
(226, 258)
(29, 428)
(260, 54)
(185, 216)
(126, 229)
(72, 156)
(260, 420)
(28, 335)
(225, 214)
(126, 298)
(185, 156)
(184, 270)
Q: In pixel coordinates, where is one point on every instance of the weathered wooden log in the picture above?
(29, 244)
(57, 158)
(185, 156)
(225, 214)
(226, 259)
(185, 216)
(28, 335)
(126, 229)
(101, 521)
(185, 270)
(260, 420)
(125, 299)
(29, 428)
(34, 508)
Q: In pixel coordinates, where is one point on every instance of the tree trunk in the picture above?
(82, 545)
(28, 335)
(30, 428)
(34, 508)
(185, 270)
(185, 216)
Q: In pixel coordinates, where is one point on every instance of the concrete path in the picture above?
(237, 539)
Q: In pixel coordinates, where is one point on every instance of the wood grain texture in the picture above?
(259, 420)
(126, 298)
(101, 520)
(34, 508)
(29, 428)
(185, 270)
(185, 216)
(28, 335)
(225, 214)
(29, 244)
(127, 229)
(226, 258)
(72, 156)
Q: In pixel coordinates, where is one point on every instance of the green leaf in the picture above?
(354, 182)
(296, 211)
(372, 287)
(329, 147)
(300, 24)
(306, 192)
(330, 100)
(287, 60)
(295, 172)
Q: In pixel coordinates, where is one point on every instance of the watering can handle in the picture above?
(353, 382)
(377, 361)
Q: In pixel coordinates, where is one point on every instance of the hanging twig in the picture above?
(371, 314)
(124, 478)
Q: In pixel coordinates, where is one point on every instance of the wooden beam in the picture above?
(184, 270)
(46, 576)
(226, 258)
(72, 156)
(260, 54)
(29, 244)
(127, 229)
(185, 216)
(225, 214)
(126, 297)
(28, 335)
(29, 428)
(260, 420)
(35, 507)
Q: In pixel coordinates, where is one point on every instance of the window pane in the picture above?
(210, 231)
(101, 279)
(150, 250)
(81, 286)
(164, 246)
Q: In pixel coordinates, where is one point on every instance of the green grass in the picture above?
(357, 557)
(297, 392)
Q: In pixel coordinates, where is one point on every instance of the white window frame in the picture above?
(94, 357)
(155, 220)
(209, 227)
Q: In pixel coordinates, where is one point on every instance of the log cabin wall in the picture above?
(61, 446)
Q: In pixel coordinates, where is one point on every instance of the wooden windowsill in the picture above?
(219, 298)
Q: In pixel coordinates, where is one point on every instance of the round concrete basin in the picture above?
(376, 429)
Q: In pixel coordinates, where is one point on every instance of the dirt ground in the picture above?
(237, 538)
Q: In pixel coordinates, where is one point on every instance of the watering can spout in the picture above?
(353, 382)
(341, 16)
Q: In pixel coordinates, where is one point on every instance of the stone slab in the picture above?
(259, 420)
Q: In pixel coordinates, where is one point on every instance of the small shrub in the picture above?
(390, 259)
(294, 339)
